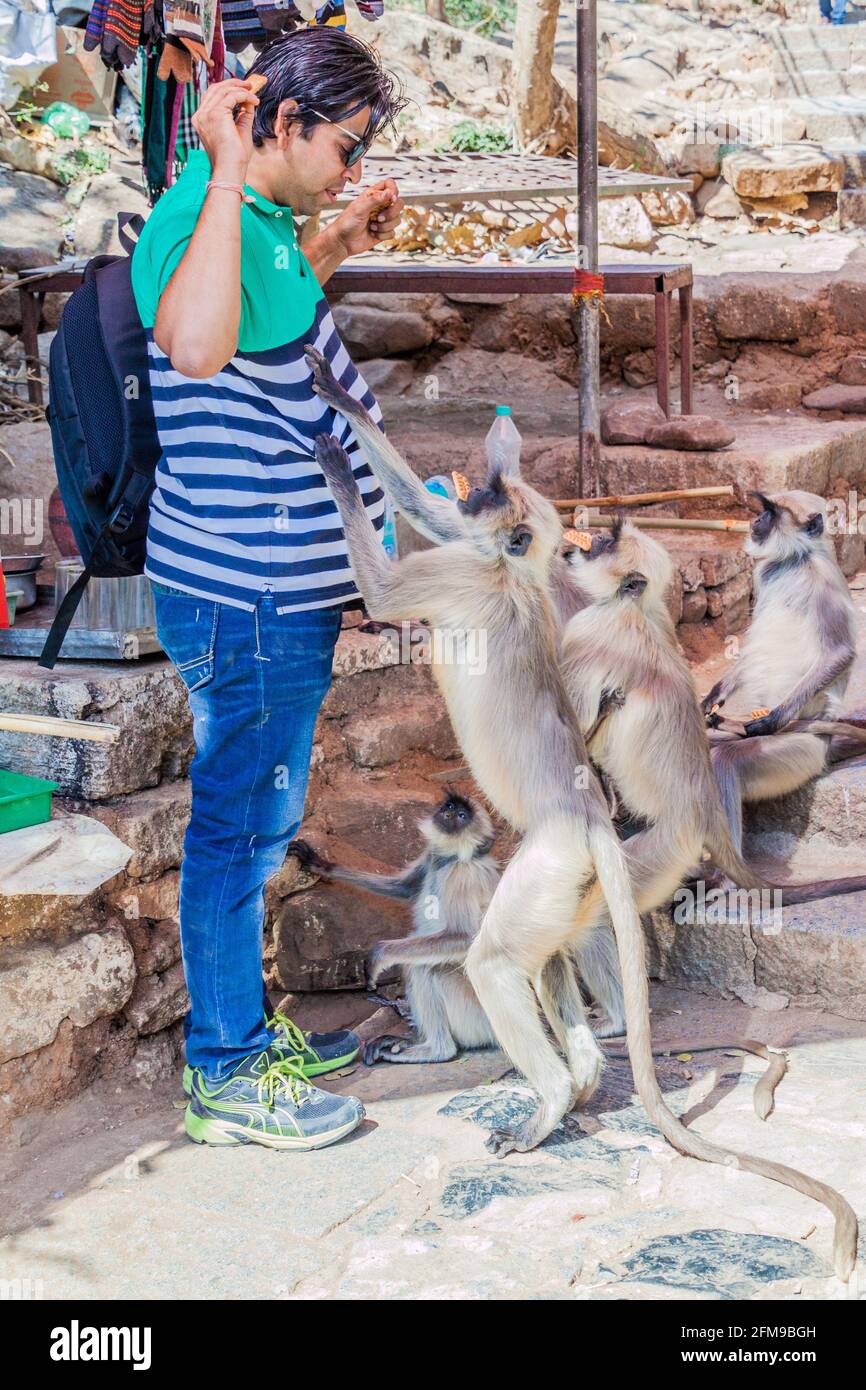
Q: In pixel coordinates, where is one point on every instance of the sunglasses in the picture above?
(360, 144)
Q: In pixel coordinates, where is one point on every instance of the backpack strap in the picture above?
(131, 488)
(129, 222)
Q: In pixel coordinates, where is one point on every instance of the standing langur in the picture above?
(795, 661)
(521, 738)
(635, 701)
(449, 886)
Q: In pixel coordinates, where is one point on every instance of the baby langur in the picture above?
(520, 736)
(449, 886)
(795, 660)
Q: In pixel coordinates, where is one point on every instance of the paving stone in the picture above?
(720, 1264)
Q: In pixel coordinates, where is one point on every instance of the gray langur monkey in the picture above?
(635, 701)
(449, 886)
(521, 738)
(795, 660)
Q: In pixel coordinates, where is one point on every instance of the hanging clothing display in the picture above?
(182, 46)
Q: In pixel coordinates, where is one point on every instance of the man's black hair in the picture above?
(327, 69)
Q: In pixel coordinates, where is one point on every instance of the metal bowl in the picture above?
(25, 569)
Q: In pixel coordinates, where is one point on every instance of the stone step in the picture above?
(831, 118)
(853, 156)
(831, 812)
(820, 38)
(810, 954)
(829, 60)
(820, 82)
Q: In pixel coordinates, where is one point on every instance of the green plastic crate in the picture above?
(24, 800)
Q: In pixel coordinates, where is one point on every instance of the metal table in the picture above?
(552, 277)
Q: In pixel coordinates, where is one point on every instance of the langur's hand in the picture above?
(334, 463)
(713, 700)
(767, 724)
(307, 857)
(325, 384)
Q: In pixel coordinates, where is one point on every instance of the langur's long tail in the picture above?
(613, 876)
(764, 1094)
(725, 856)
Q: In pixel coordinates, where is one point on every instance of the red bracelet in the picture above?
(232, 187)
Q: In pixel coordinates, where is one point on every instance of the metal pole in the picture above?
(587, 249)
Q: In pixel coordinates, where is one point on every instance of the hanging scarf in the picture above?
(117, 27)
(193, 23)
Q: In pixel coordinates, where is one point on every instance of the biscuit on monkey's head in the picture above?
(582, 539)
(462, 486)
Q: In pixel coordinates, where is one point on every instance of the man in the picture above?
(833, 11)
(245, 551)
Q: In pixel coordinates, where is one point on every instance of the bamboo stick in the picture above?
(671, 523)
(59, 728)
(642, 499)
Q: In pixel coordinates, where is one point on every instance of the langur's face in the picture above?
(457, 816)
(453, 814)
(508, 520)
(786, 525)
(620, 565)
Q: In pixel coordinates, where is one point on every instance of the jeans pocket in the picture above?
(186, 627)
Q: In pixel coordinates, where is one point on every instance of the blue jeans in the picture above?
(255, 683)
(834, 10)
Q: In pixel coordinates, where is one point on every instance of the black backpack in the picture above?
(103, 431)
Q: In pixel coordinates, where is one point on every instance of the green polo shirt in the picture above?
(279, 291)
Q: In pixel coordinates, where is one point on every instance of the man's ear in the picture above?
(283, 127)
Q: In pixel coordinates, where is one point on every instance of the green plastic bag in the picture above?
(66, 120)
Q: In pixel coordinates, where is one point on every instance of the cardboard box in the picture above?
(79, 77)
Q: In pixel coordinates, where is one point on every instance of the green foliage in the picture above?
(484, 16)
(81, 163)
(472, 136)
(26, 111)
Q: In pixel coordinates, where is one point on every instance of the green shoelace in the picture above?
(282, 1077)
(292, 1031)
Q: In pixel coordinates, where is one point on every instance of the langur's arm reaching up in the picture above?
(435, 517)
(391, 591)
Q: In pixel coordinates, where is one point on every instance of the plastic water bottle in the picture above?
(389, 531)
(441, 485)
(503, 443)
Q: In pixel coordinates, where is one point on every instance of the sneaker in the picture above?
(318, 1053)
(266, 1100)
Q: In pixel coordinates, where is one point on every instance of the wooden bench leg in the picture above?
(663, 351)
(31, 312)
(686, 348)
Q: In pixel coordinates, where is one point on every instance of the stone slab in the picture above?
(82, 980)
(111, 1201)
